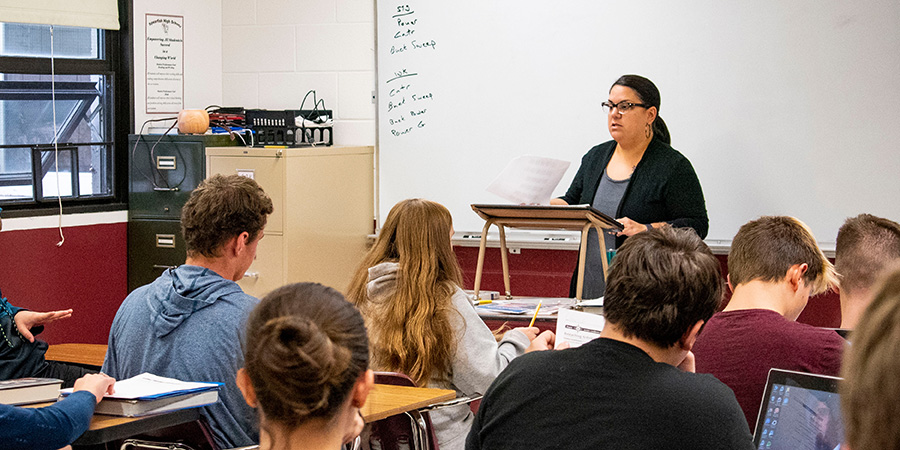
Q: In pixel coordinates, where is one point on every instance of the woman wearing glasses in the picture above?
(637, 177)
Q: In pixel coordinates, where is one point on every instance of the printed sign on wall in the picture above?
(165, 63)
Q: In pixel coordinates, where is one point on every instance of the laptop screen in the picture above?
(799, 410)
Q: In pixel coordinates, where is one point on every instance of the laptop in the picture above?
(799, 410)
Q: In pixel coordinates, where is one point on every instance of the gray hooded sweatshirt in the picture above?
(479, 358)
(188, 324)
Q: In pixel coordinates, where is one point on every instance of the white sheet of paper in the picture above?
(529, 180)
(577, 327)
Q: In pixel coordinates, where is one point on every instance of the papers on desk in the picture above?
(147, 386)
(525, 306)
(577, 327)
(529, 180)
(150, 394)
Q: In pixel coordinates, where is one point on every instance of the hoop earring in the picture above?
(647, 131)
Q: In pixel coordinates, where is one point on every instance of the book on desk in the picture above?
(138, 407)
(22, 391)
(146, 394)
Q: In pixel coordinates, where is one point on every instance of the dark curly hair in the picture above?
(661, 282)
(222, 207)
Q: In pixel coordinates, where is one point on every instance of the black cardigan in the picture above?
(663, 187)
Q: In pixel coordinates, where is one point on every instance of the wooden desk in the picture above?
(85, 354)
(386, 400)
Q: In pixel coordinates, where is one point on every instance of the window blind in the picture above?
(77, 13)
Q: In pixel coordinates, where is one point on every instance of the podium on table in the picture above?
(552, 217)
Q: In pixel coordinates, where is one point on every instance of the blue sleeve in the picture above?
(50, 428)
(6, 307)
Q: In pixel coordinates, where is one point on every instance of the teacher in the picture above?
(637, 177)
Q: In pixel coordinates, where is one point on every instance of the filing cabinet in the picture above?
(324, 201)
(163, 170)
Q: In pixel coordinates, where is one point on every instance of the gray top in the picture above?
(478, 358)
(606, 200)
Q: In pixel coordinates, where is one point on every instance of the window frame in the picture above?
(118, 65)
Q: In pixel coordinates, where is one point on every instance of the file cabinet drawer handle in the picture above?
(165, 240)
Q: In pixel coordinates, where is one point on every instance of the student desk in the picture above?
(82, 354)
(387, 400)
(544, 321)
(105, 428)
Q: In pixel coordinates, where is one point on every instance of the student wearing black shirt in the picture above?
(633, 387)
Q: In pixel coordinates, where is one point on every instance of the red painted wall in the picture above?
(546, 273)
(87, 274)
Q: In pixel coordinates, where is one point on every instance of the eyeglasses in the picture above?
(623, 107)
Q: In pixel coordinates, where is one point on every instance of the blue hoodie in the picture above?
(188, 324)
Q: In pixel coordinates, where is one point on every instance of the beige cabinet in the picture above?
(324, 209)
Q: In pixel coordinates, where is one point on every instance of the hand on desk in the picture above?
(98, 384)
(26, 320)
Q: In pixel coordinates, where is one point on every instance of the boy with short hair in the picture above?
(774, 266)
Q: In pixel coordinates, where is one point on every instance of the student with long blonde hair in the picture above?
(420, 321)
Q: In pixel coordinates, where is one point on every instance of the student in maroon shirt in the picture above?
(773, 267)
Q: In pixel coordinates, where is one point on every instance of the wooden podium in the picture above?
(565, 217)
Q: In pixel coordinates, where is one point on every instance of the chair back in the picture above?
(408, 431)
(194, 435)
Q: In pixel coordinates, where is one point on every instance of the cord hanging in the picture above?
(62, 237)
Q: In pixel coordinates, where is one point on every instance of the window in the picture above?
(92, 115)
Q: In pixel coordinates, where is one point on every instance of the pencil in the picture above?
(536, 311)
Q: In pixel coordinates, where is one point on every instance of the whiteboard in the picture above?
(783, 107)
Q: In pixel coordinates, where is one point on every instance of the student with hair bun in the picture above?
(422, 324)
(306, 363)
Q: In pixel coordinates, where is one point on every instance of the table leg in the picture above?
(504, 257)
(481, 250)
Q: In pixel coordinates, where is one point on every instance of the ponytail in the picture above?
(660, 130)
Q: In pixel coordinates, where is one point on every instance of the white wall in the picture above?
(782, 107)
(202, 54)
(274, 51)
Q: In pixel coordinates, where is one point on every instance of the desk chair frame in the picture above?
(422, 434)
